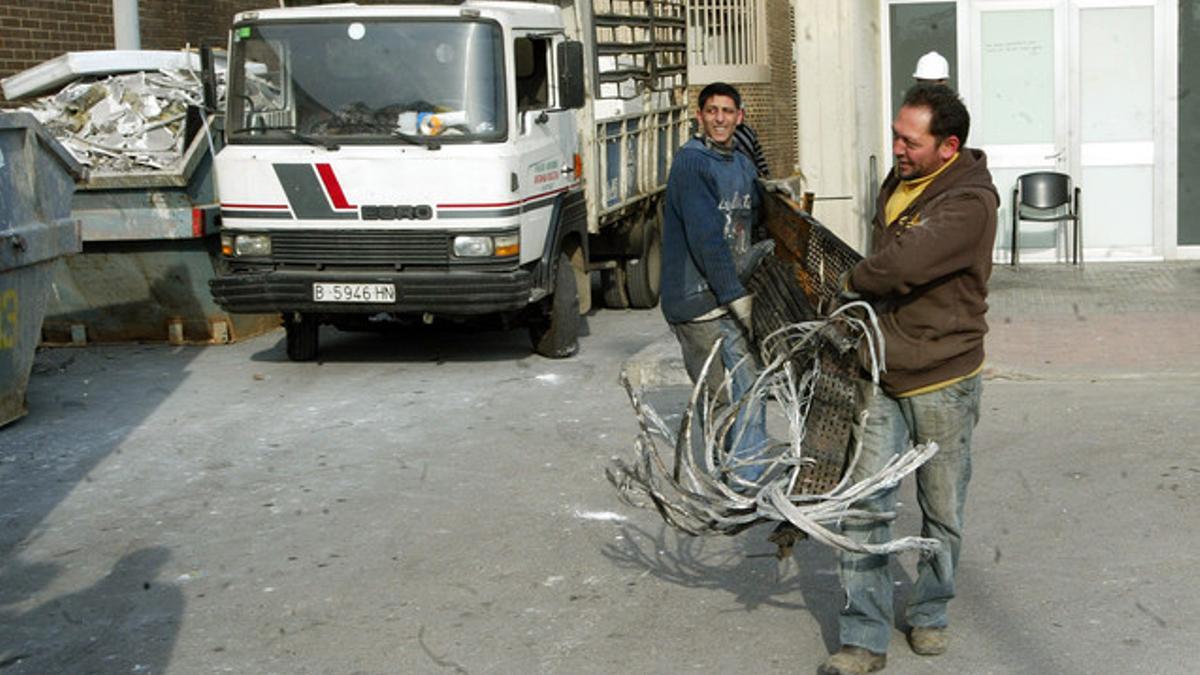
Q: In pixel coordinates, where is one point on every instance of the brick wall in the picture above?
(776, 110)
(36, 31)
(172, 24)
(771, 106)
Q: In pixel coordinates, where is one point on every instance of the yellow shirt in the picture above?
(907, 192)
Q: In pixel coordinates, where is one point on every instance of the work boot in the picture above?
(928, 641)
(852, 661)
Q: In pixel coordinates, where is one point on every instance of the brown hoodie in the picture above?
(927, 275)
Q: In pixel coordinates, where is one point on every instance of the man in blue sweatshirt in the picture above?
(708, 216)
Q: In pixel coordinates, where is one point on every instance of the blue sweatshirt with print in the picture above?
(707, 219)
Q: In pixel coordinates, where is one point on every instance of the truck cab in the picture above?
(407, 162)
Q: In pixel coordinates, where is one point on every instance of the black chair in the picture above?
(1046, 197)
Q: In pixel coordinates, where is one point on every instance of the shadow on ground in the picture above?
(418, 343)
(127, 619)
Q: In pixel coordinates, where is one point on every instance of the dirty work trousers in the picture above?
(946, 416)
(696, 339)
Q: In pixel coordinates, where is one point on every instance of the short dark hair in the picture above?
(948, 115)
(719, 89)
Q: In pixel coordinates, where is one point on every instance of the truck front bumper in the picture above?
(454, 293)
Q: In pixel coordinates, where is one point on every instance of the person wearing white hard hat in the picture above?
(933, 68)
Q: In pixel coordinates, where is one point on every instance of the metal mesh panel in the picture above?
(829, 429)
(800, 284)
(826, 259)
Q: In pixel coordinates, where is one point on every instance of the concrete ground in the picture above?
(436, 503)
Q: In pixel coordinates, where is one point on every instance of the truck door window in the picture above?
(262, 99)
(530, 56)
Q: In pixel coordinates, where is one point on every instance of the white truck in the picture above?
(418, 162)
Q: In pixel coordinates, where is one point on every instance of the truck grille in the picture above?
(360, 248)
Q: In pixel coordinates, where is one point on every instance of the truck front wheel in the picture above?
(555, 334)
(302, 332)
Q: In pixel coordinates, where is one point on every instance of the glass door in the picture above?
(1020, 111)
(1074, 86)
(1070, 86)
(1115, 77)
(914, 29)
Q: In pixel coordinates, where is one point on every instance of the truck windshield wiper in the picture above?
(428, 142)
(291, 133)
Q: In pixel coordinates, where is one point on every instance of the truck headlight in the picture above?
(480, 246)
(252, 245)
(473, 247)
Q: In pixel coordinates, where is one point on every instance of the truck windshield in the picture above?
(366, 81)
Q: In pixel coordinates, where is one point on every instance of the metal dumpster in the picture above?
(37, 178)
(150, 244)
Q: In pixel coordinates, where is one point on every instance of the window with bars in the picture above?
(727, 41)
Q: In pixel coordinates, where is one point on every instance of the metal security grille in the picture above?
(698, 478)
(641, 45)
(727, 41)
(801, 284)
(818, 256)
(826, 258)
(641, 48)
(360, 248)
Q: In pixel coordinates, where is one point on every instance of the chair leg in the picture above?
(1078, 242)
(1078, 228)
(1015, 244)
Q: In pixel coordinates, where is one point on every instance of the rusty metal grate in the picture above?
(800, 284)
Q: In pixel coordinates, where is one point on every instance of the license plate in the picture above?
(377, 293)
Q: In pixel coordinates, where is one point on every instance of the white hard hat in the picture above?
(932, 66)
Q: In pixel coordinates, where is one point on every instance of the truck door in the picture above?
(547, 140)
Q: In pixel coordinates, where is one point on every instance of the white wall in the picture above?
(838, 85)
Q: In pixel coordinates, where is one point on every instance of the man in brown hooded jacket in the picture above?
(927, 279)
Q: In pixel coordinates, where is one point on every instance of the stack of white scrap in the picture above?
(123, 123)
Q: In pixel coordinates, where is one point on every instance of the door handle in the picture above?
(1055, 155)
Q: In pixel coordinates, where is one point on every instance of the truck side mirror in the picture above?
(570, 74)
(208, 78)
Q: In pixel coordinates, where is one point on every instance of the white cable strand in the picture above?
(697, 489)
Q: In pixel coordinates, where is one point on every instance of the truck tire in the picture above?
(555, 334)
(302, 337)
(643, 275)
(612, 282)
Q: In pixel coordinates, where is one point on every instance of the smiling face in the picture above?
(918, 152)
(718, 118)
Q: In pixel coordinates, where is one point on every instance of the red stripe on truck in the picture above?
(334, 188)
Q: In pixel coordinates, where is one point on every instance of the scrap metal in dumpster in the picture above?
(37, 178)
(146, 211)
(123, 123)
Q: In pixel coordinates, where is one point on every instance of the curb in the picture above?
(658, 364)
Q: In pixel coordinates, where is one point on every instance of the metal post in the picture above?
(127, 33)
